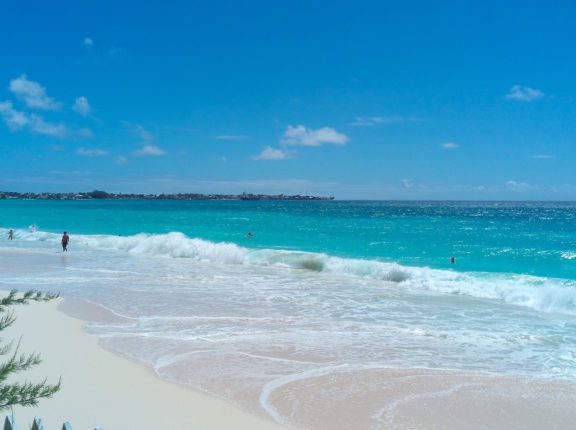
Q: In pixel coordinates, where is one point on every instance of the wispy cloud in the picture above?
(541, 157)
(33, 94)
(407, 184)
(121, 159)
(81, 106)
(229, 137)
(524, 94)
(17, 120)
(373, 121)
(450, 145)
(144, 134)
(518, 186)
(140, 131)
(13, 118)
(269, 153)
(149, 150)
(300, 135)
(91, 152)
(88, 42)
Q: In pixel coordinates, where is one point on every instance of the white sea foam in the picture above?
(568, 255)
(543, 294)
(250, 324)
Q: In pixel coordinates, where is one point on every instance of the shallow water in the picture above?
(323, 288)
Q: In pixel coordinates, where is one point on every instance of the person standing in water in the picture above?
(11, 234)
(65, 240)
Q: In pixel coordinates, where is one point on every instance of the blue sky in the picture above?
(364, 99)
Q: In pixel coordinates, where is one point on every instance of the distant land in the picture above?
(98, 194)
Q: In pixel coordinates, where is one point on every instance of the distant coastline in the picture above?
(99, 195)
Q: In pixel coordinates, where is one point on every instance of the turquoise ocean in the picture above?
(321, 285)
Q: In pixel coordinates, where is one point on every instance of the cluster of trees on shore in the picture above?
(99, 194)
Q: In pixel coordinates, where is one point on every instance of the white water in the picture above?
(241, 323)
(542, 294)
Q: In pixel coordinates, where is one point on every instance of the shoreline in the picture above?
(100, 388)
(108, 381)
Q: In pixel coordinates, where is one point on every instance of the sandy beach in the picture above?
(102, 389)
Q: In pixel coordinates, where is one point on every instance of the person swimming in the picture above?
(11, 234)
(452, 260)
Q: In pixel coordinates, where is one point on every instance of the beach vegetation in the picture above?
(16, 393)
(98, 194)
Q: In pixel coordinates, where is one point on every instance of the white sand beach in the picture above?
(102, 389)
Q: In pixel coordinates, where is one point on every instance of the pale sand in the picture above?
(425, 399)
(102, 389)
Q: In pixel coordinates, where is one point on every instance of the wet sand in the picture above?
(102, 389)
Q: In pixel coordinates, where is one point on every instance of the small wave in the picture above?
(568, 255)
(543, 294)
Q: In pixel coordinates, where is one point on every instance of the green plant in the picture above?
(27, 393)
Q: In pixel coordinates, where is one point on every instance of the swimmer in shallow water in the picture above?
(249, 234)
(452, 260)
(65, 240)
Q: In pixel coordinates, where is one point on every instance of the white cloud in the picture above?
(81, 106)
(121, 159)
(147, 150)
(32, 93)
(300, 135)
(38, 125)
(269, 153)
(14, 119)
(88, 41)
(524, 94)
(139, 131)
(450, 145)
(229, 137)
(144, 134)
(17, 120)
(373, 121)
(541, 157)
(91, 152)
(407, 184)
(517, 186)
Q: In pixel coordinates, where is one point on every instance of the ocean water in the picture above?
(320, 289)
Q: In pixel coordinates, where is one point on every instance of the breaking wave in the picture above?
(543, 294)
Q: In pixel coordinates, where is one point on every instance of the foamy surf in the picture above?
(539, 293)
(256, 325)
